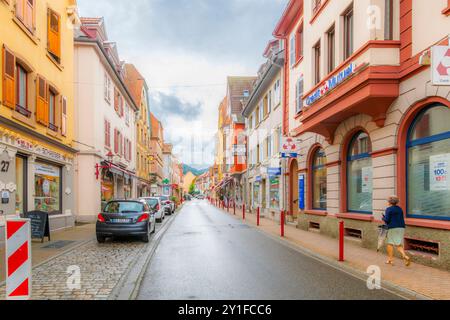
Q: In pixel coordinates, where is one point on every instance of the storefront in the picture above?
(36, 175)
(274, 193)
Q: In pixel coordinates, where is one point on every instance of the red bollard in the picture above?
(243, 211)
(341, 241)
(282, 223)
(234, 208)
(258, 214)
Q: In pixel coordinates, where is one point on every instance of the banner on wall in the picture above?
(439, 170)
(301, 192)
(366, 180)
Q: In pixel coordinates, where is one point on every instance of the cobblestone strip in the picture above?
(101, 267)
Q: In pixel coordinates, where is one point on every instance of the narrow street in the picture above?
(208, 255)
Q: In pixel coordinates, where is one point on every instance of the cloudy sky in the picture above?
(186, 49)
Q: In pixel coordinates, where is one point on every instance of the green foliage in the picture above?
(192, 189)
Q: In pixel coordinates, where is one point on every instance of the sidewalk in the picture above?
(426, 281)
(61, 241)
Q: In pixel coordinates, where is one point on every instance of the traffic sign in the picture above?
(289, 155)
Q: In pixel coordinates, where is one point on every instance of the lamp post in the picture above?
(110, 157)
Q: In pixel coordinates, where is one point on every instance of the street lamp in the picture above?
(110, 157)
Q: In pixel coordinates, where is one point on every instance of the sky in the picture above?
(185, 49)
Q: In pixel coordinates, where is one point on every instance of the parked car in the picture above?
(156, 204)
(170, 204)
(201, 197)
(125, 218)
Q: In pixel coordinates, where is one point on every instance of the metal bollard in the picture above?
(234, 208)
(282, 217)
(243, 211)
(258, 214)
(341, 241)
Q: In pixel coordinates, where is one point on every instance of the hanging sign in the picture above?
(301, 192)
(274, 171)
(440, 65)
(439, 171)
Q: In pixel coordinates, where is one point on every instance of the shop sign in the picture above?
(47, 170)
(440, 65)
(301, 192)
(23, 144)
(274, 171)
(26, 145)
(331, 84)
(439, 168)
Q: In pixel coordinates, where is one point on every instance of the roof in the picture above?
(135, 82)
(235, 92)
(156, 126)
(293, 11)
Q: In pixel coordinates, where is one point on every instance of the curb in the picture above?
(129, 285)
(388, 286)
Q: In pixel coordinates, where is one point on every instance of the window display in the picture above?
(47, 181)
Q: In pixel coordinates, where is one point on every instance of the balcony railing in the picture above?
(23, 111)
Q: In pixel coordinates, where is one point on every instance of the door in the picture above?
(293, 188)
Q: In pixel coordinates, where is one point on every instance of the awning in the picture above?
(120, 171)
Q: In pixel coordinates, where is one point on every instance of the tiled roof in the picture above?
(156, 126)
(135, 82)
(236, 88)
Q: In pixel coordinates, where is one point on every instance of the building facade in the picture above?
(372, 121)
(263, 113)
(156, 151)
(104, 122)
(138, 88)
(37, 151)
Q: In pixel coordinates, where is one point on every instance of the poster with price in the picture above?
(439, 168)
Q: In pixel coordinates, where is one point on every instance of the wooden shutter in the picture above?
(9, 83)
(20, 4)
(41, 101)
(58, 113)
(29, 14)
(64, 116)
(116, 142)
(54, 33)
(106, 133)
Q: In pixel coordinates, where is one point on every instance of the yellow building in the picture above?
(36, 108)
(139, 91)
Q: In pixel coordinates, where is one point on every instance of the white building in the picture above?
(263, 115)
(105, 116)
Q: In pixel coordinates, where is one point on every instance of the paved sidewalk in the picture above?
(426, 281)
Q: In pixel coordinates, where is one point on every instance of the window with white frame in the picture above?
(107, 88)
(292, 52)
(269, 102)
(277, 93)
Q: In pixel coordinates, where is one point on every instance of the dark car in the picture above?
(125, 218)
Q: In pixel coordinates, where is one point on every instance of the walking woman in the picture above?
(395, 221)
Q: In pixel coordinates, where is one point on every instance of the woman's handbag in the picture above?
(382, 235)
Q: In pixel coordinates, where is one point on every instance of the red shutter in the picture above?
(116, 141)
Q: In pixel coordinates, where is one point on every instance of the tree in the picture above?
(192, 189)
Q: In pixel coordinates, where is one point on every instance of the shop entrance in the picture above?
(22, 185)
(293, 188)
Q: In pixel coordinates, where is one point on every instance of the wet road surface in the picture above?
(208, 255)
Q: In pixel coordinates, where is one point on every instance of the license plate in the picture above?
(120, 220)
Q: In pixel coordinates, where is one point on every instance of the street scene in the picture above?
(225, 150)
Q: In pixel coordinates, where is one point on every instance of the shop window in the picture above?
(274, 192)
(319, 180)
(428, 164)
(47, 182)
(21, 183)
(359, 174)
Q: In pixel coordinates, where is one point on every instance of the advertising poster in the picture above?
(366, 180)
(301, 192)
(439, 168)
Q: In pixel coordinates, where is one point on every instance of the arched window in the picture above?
(319, 180)
(359, 174)
(428, 164)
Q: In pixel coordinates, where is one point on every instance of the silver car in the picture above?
(160, 208)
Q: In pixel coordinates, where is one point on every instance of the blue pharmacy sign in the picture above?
(301, 192)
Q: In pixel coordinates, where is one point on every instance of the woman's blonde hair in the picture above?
(393, 200)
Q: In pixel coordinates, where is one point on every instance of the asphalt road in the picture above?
(208, 255)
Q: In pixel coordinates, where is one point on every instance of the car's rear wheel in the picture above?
(146, 238)
(101, 239)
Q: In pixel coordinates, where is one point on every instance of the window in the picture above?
(21, 183)
(299, 42)
(316, 6)
(319, 180)
(359, 174)
(54, 34)
(261, 112)
(107, 88)
(348, 33)
(316, 52)
(277, 93)
(292, 53)
(251, 122)
(48, 188)
(299, 95)
(265, 106)
(258, 154)
(22, 91)
(389, 20)
(269, 102)
(25, 12)
(331, 49)
(116, 141)
(428, 164)
(52, 111)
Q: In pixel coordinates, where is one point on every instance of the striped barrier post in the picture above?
(18, 259)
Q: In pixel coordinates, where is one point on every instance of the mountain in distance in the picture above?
(196, 172)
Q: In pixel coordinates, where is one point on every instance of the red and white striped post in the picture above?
(18, 259)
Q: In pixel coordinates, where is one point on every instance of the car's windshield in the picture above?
(151, 202)
(124, 207)
(164, 198)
